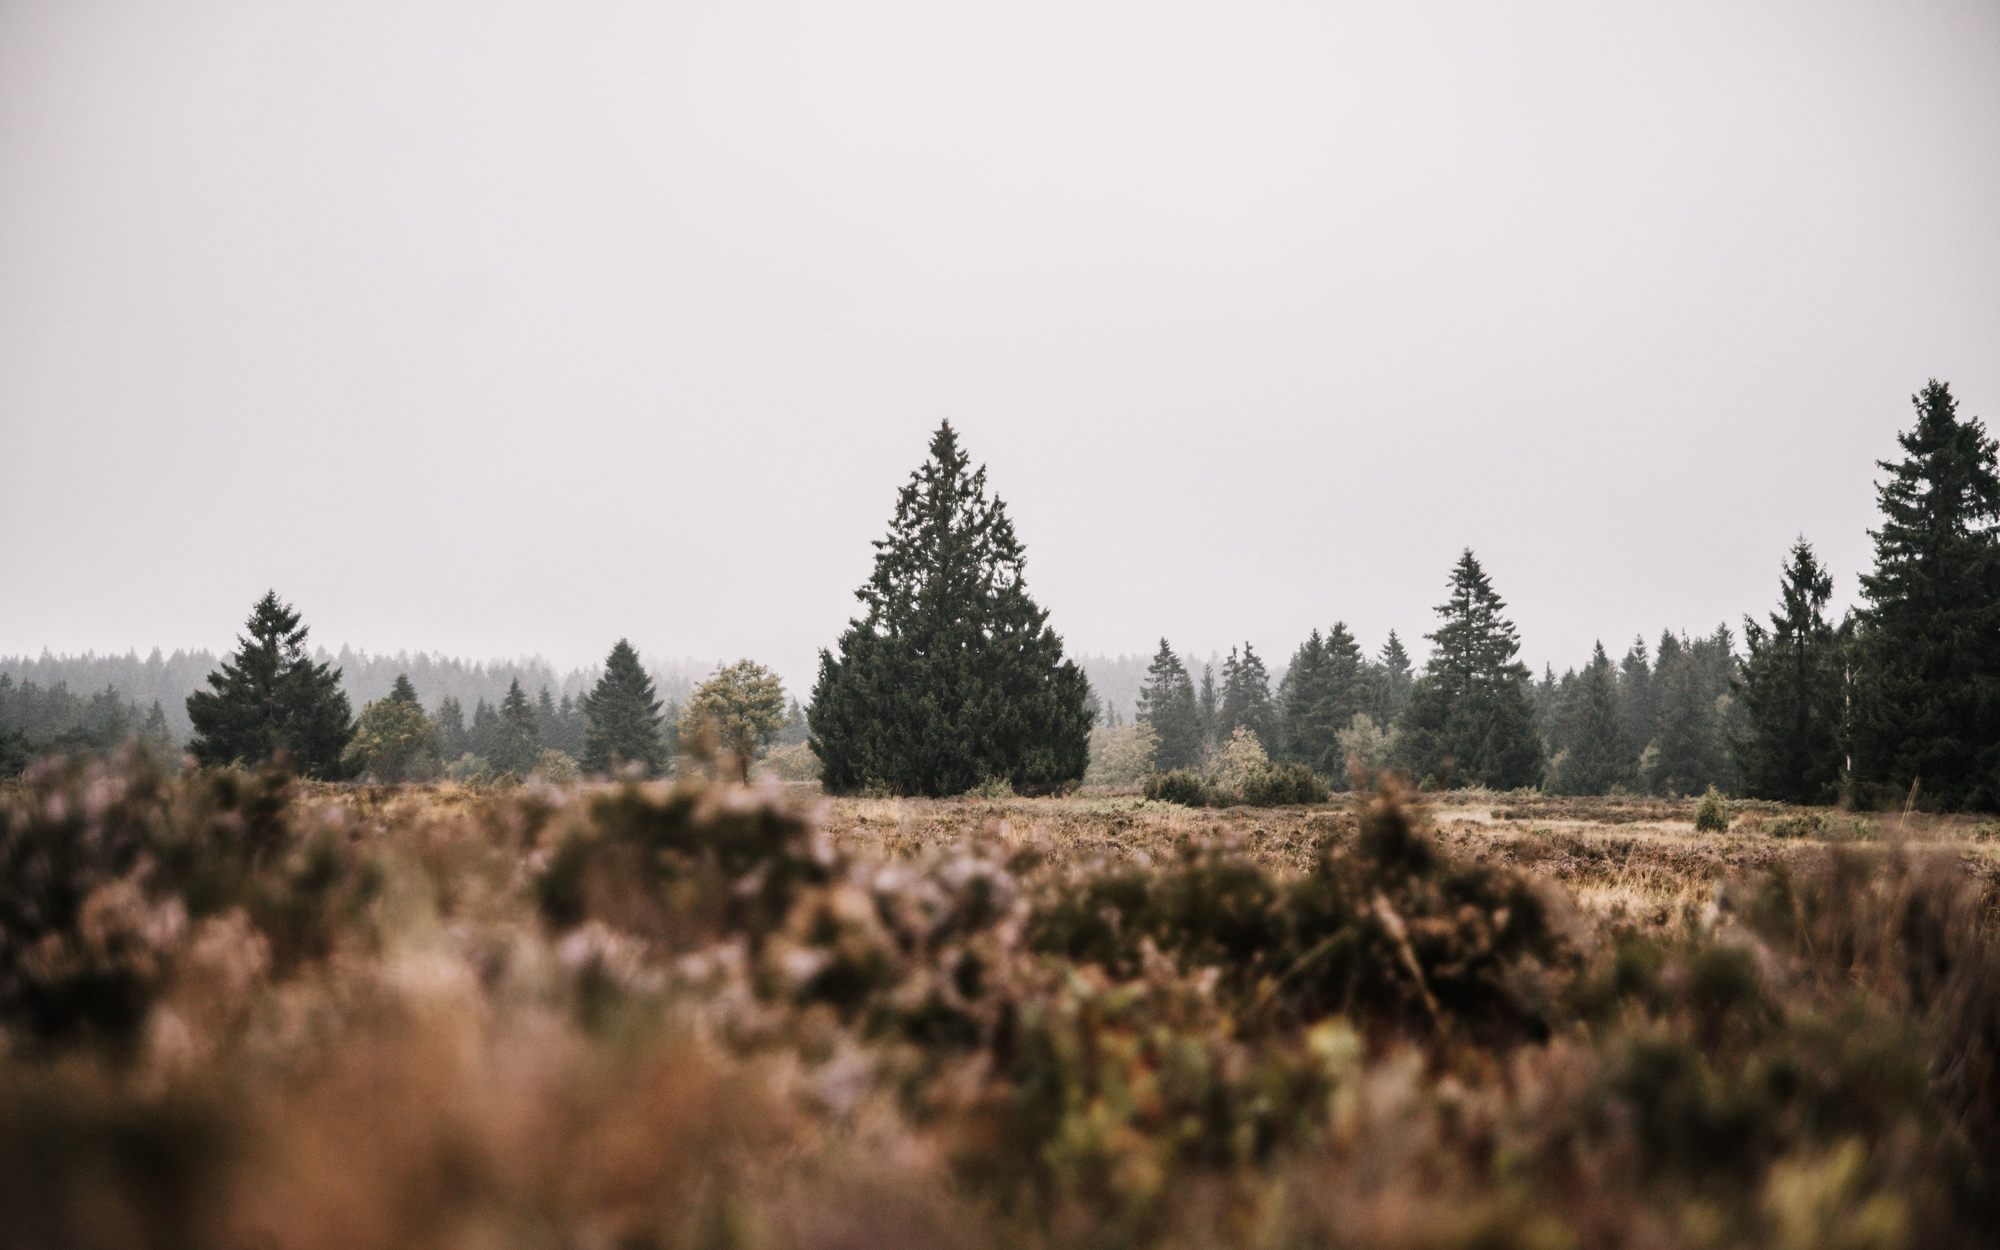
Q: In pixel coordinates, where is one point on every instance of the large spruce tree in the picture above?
(624, 715)
(1246, 699)
(1793, 692)
(517, 740)
(270, 698)
(1926, 711)
(1322, 690)
(1470, 719)
(1168, 704)
(1595, 758)
(952, 676)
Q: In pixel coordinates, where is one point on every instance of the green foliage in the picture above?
(1596, 758)
(556, 767)
(1691, 682)
(1281, 785)
(1121, 755)
(1391, 681)
(1709, 814)
(789, 761)
(517, 739)
(270, 697)
(993, 789)
(1364, 748)
(1797, 825)
(1470, 720)
(1323, 690)
(1925, 712)
(391, 742)
(624, 716)
(1246, 699)
(36, 721)
(1168, 707)
(1178, 785)
(1794, 693)
(952, 674)
(742, 706)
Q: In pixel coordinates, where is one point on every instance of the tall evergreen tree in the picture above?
(1595, 757)
(1793, 691)
(403, 691)
(449, 739)
(1638, 706)
(1393, 681)
(1470, 719)
(1246, 698)
(1926, 710)
(1322, 690)
(1167, 703)
(485, 730)
(270, 697)
(952, 675)
(624, 715)
(1208, 714)
(1689, 750)
(517, 741)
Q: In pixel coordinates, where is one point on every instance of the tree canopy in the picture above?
(269, 697)
(624, 716)
(1469, 720)
(951, 677)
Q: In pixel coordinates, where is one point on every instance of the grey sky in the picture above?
(499, 327)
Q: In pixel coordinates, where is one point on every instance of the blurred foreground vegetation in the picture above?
(244, 1010)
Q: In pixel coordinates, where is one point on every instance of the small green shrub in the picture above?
(1801, 825)
(1277, 785)
(992, 789)
(1182, 785)
(1709, 815)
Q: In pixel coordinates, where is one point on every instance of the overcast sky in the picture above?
(502, 328)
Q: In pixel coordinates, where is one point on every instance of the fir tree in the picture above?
(1638, 709)
(1393, 681)
(1321, 693)
(403, 691)
(269, 697)
(517, 740)
(485, 730)
(1689, 752)
(1927, 693)
(1793, 692)
(1246, 698)
(952, 676)
(448, 737)
(1595, 757)
(1208, 716)
(624, 715)
(1470, 719)
(1167, 704)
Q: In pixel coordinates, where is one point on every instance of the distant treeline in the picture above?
(60, 687)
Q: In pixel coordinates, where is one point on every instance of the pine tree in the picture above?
(1246, 698)
(1167, 704)
(1638, 708)
(1470, 719)
(1208, 716)
(952, 676)
(269, 697)
(1595, 758)
(485, 730)
(1793, 692)
(624, 715)
(517, 741)
(1393, 681)
(403, 691)
(1926, 713)
(1321, 693)
(448, 737)
(1689, 752)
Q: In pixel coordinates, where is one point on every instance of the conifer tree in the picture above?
(1208, 715)
(952, 676)
(1246, 698)
(1470, 719)
(1926, 713)
(1638, 708)
(1793, 692)
(448, 736)
(1595, 756)
(270, 697)
(517, 740)
(624, 715)
(1689, 752)
(485, 728)
(403, 691)
(1393, 681)
(1321, 693)
(1167, 704)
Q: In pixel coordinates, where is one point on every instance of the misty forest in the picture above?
(979, 944)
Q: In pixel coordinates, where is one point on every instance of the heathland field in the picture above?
(246, 1010)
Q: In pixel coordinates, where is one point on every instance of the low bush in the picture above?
(1281, 785)
(1181, 785)
(1709, 815)
(1797, 825)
